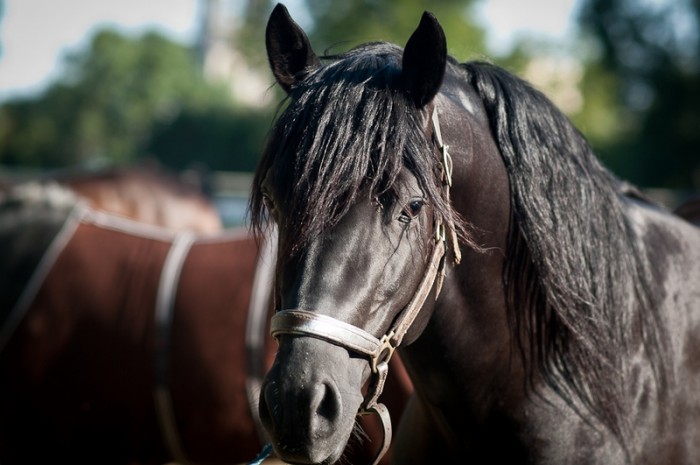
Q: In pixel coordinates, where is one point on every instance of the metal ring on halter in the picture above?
(384, 351)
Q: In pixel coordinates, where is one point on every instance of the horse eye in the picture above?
(411, 210)
(268, 203)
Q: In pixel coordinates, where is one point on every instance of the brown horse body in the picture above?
(78, 374)
(146, 193)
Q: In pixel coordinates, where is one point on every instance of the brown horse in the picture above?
(147, 193)
(126, 343)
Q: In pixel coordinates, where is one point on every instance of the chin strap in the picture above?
(378, 351)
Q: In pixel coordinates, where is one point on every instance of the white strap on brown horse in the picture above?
(165, 304)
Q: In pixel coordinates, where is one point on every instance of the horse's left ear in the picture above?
(424, 61)
(288, 49)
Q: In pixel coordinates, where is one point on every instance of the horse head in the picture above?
(362, 205)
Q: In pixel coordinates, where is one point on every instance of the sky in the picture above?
(507, 19)
(36, 34)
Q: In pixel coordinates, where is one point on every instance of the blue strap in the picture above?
(264, 453)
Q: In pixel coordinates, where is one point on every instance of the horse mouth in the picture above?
(308, 456)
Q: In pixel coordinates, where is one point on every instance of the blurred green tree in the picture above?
(573, 78)
(348, 23)
(108, 103)
(649, 52)
(222, 138)
(337, 26)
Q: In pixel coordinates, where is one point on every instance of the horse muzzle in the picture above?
(310, 398)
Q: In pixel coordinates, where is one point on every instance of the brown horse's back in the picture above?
(148, 194)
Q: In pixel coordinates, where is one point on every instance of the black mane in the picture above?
(577, 281)
(347, 131)
(574, 262)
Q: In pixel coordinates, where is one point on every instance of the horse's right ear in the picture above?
(288, 49)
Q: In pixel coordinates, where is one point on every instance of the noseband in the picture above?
(379, 351)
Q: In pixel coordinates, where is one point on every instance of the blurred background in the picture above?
(88, 84)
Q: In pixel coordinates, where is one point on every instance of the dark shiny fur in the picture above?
(570, 329)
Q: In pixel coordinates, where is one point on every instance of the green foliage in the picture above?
(601, 118)
(108, 103)
(226, 139)
(652, 51)
(126, 98)
(250, 36)
(351, 22)
(596, 113)
(336, 26)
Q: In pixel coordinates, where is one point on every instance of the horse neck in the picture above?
(466, 345)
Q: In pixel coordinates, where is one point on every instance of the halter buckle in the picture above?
(385, 350)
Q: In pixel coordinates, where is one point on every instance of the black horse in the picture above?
(565, 331)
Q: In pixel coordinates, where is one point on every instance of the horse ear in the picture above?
(424, 61)
(288, 49)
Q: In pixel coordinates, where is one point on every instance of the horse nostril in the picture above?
(325, 407)
(329, 406)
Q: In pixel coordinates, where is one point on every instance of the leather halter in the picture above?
(378, 351)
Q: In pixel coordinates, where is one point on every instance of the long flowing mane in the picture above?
(575, 262)
(578, 283)
(347, 131)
